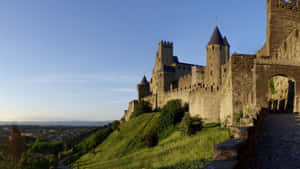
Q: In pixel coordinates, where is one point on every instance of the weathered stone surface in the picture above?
(229, 149)
(239, 132)
(278, 146)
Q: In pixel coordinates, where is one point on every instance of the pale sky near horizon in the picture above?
(81, 60)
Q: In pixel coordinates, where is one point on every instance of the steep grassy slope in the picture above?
(125, 149)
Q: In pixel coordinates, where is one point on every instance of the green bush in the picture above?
(272, 87)
(186, 127)
(190, 125)
(115, 125)
(39, 162)
(171, 114)
(141, 108)
(47, 148)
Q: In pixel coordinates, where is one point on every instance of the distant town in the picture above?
(51, 131)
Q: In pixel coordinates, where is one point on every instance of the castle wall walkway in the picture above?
(279, 143)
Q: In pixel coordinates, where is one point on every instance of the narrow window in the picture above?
(285, 46)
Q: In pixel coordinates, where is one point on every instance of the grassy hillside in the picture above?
(125, 148)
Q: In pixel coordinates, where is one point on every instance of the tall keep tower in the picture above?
(163, 74)
(217, 52)
(164, 55)
(283, 18)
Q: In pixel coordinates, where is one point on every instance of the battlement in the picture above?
(291, 4)
(209, 89)
(165, 44)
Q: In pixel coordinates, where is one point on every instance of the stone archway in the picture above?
(265, 72)
(281, 94)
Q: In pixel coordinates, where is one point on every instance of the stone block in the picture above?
(244, 122)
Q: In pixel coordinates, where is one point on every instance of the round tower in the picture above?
(217, 53)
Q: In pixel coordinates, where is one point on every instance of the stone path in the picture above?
(279, 143)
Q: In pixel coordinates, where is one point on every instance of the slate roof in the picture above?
(216, 38)
(144, 80)
(226, 41)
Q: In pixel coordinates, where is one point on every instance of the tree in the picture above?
(15, 149)
(171, 113)
(141, 108)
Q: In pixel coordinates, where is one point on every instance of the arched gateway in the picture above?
(264, 72)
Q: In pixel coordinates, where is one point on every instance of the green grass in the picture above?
(125, 149)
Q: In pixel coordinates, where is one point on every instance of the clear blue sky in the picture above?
(81, 60)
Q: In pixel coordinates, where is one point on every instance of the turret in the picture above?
(165, 52)
(164, 55)
(217, 54)
(143, 88)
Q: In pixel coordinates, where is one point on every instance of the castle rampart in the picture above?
(230, 86)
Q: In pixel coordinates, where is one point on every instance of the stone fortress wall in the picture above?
(228, 85)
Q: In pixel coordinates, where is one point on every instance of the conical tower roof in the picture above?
(226, 41)
(216, 38)
(144, 80)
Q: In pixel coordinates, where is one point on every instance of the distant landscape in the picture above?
(55, 123)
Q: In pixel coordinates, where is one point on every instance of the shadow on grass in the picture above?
(211, 125)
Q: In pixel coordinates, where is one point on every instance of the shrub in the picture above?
(47, 148)
(239, 116)
(38, 162)
(151, 138)
(115, 125)
(272, 87)
(171, 114)
(141, 108)
(197, 124)
(186, 127)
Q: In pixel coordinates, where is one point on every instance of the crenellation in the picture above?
(291, 4)
(166, 44)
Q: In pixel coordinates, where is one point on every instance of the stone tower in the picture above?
(283, 18)
(143, 89)
(217, 52)
(164, 55)
(163, 74)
